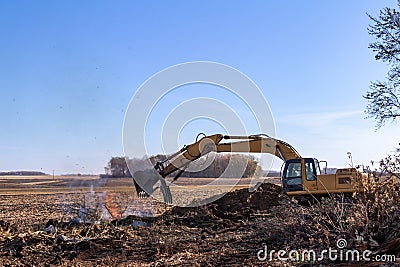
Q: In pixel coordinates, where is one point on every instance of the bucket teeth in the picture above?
(142, 194)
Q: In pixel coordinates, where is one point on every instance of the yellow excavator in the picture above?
(300, 176)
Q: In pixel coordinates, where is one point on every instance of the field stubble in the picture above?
(100, 224)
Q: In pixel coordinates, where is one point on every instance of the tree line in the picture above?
(239, 165)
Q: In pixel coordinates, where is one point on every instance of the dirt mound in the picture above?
(235, 205)
(243, 201)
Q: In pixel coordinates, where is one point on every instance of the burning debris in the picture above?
(226, 232)
(120, 206)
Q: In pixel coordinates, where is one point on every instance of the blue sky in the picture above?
(68, 70)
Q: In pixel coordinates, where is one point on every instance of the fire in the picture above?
(112, 207)
(120, 205)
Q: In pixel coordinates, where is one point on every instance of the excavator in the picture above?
(300, 176)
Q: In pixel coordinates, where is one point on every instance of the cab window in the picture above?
(292, 176)
(317, 169)
(311, 174)
(293, 170)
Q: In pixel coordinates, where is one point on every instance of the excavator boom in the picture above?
(259, 144)
(179, 161)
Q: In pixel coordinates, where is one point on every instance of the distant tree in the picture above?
(140, 164)
(384, 97)
(117, 167)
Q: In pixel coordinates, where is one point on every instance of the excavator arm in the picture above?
(259, 144)
(145, 181)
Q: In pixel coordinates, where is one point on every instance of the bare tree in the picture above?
(117, 167)
(384, 97)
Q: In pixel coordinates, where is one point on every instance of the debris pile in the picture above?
(233, 206)
(226, 232)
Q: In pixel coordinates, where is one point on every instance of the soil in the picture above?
(68, 230)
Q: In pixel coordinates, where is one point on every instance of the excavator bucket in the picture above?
(148, 181)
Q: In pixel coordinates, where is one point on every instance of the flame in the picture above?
(112, 207)
(119, 207)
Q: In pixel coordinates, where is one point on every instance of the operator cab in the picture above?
(292, 176)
